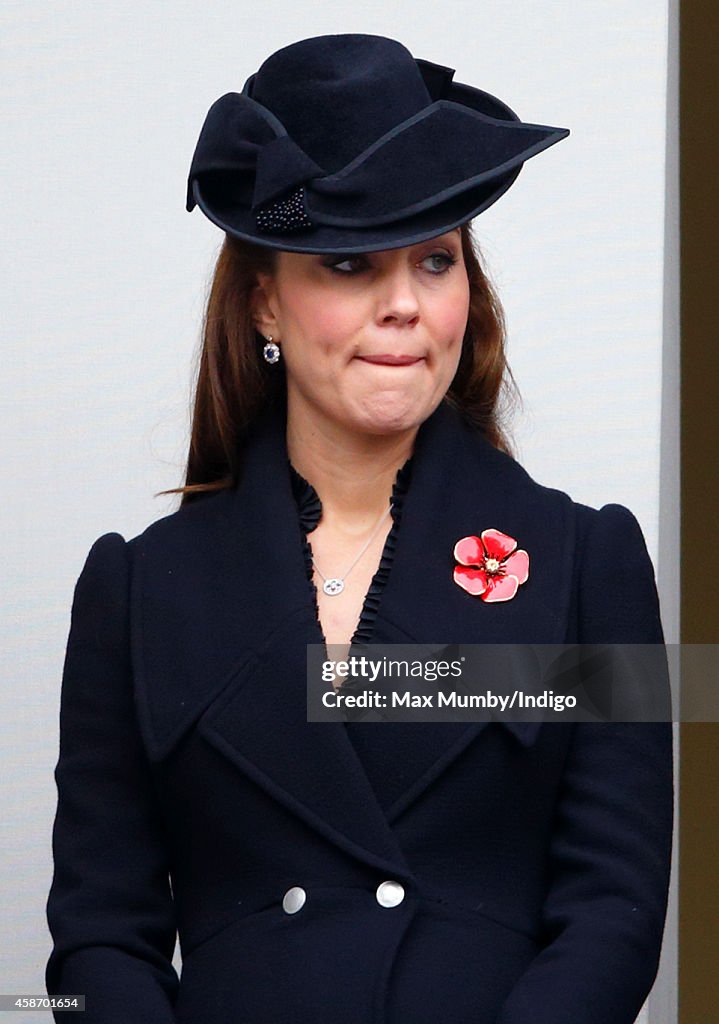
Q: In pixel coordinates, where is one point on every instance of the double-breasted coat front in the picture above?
(489, 873)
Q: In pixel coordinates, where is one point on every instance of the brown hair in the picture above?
(235, 384)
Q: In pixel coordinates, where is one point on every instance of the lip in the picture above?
(391, 359)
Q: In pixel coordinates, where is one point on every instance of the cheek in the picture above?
(334, 321)
(450, 319)
(322, 320)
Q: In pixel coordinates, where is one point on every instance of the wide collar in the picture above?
(222, 612)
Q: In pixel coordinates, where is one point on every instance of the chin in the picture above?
(393, 417)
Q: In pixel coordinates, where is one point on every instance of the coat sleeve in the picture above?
(109, 909)
(610, 853)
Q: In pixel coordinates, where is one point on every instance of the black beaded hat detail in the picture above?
(347, 143)
(284, 214)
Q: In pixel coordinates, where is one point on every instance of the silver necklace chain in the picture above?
(334, 585)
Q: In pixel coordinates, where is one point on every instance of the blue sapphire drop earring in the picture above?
(271, 351)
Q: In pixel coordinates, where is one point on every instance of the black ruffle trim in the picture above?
(309, 508)
(308, 501)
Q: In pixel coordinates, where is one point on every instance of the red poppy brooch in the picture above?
(490, 566)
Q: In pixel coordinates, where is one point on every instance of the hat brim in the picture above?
(428, 223)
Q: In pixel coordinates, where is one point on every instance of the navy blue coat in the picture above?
(193, 793)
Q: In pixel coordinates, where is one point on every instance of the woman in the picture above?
(411, 872)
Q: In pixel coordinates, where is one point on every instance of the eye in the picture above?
(446, 260)
(345, 266)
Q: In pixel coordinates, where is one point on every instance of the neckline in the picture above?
(309, 507)
(309, 503)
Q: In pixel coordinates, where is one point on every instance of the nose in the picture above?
(398, 303)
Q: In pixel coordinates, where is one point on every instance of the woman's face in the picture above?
(371, 342)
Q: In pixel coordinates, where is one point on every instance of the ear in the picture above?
(263, 305)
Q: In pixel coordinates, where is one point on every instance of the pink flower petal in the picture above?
(501, 588)
(469, 551)
(474, 581)
(518, 565)
(498, 545)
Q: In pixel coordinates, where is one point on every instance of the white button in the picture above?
(389, 894)
(294, 899)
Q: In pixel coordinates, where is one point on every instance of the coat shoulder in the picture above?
(102, 594)
(617, 593)
(173, 531)
(612, 594)
(596, 530)
(610, 518)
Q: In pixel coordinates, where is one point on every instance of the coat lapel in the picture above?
(460, 486)
(223, 610)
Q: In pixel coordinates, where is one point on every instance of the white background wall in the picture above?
(105, 274)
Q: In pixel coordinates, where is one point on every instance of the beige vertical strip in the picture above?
(699, 780)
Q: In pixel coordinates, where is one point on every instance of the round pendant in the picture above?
(333, 587)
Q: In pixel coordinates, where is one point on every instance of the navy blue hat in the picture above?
(347, 143)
